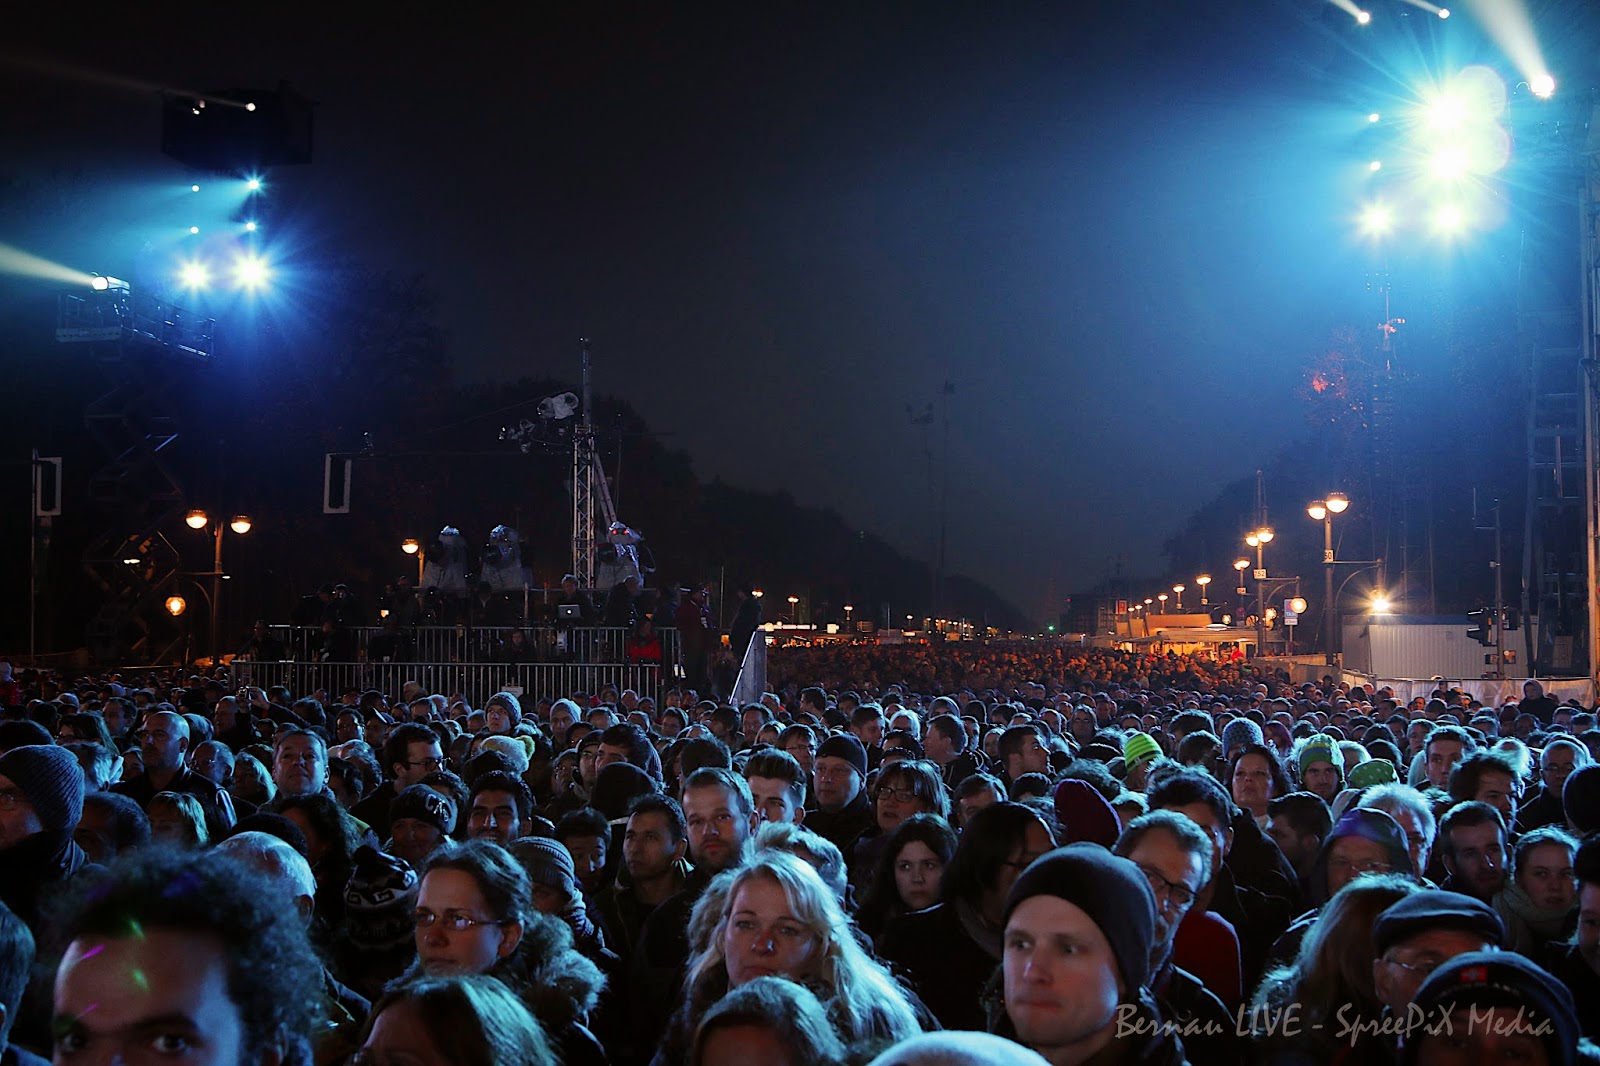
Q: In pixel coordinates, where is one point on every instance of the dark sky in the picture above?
(1118, 229)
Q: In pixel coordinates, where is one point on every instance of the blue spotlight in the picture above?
(1374, 117)
(1543, 86)
(1375, 166)
(1376, 220)
(251, 272)
(249, 227)
(1444, 12)
(254, 184)
(194, 275)
(194, 188)
(1449, 219)
(1448, 163)
(1363, 17)
(194, 229)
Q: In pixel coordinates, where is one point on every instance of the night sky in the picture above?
(1119, 232)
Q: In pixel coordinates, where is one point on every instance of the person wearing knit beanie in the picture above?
(1238, 733)
(1365, 840)
(1139, 752)
(1480, 1005)
(502, 713)
(1373, 772)
(49, 783)
(1320, 767)
(549, 866)
(1580, 797)
(1066, 1007)
(1085, 815)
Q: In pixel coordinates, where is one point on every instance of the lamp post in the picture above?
(1323, 511)
(849, 626)
(1258, 540)
(240, 524)
(1203, 580)
(411, 546)
(1179, 590)
(1163, 598)
(793, 602)
(1240, 566)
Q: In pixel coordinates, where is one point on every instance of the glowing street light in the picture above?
(1163, 598)
(176, 605)
(1203, 580)
(412, 546)
(1179, 590)
(240, 524)
(1323, 510)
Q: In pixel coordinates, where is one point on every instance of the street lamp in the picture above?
(1258, 540)
(240, 524)
(849, 609)
(1323, 511)
(1163, 598)
(1179, 590)
(793, 600)
(1203, 580)
(411, 546)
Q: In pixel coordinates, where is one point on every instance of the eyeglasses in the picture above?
(1169, 894)
(432, 762)
(454, 921)
(1422, 967)
(900, 795)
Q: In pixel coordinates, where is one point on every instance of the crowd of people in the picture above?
(899, 855)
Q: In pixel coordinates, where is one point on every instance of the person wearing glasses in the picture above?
(475, 915)
(1174, 854)
(902, 789)
(1556, 763)
(1422, 932)
(411, 753)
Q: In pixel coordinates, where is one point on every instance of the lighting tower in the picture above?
(142, 346)
(583, 485)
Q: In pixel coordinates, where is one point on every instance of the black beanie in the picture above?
(50, 779)
(1110, 890)
(1498, 979)
(847, 747)
(618, 785)
(1436, 909)
(1580, 798)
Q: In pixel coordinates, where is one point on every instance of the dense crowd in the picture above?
(902, 854)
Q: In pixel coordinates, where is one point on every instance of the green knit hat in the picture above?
(1138, 747)
(1373, 772)
(1318, 748)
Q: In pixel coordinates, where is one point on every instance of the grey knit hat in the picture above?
(50, 779)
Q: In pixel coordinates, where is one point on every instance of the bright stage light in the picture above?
(251, 272)
(1542, 85)
(254, 184)
(249, 227)
(1449, 219)
(194, 275)
(1374, 117)
(100, 283)
(194, 188)
(1376, 220)
(1449, 163)
(194, 229)
(1363, 17)
(1375, 166)
(1444, 12)
(249, 107)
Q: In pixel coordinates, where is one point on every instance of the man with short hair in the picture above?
(976, 792)
(720, 817)
(1079, 933)
(1174, 855)
(1557, 762)
(1472, 844)
(1298, 823)
(163, 743)
(844, 811)
(867, 723)
(944, 742)
(1488, 777)
(300, 764)
(653, 870)
(1023, 751)
(1447, 745)
(222, 967)
(411, 753)
(501, 808)
(630, 744)
(777, 785)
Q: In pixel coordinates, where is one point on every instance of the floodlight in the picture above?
(1449, 219)
(253, 184)
(1376, 220)
(1543, 86)
(250, 107)
(194, 188)
(1448, 163)
(1444, 12)
(1375, 166)
(1363, 17)
(194, 229)
(1374, 117)
(194, 275)
(249, 227)
(101, 283)
(250, 272)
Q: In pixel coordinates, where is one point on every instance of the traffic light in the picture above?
(1510, 617)
(1483, 622)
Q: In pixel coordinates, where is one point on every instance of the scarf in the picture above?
(1515, 905)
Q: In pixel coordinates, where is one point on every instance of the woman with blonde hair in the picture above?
(1330, 979)
(774, 917)
(176, 818)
